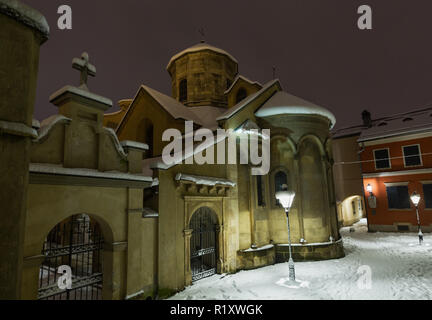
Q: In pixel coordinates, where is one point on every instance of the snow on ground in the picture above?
(400, 269)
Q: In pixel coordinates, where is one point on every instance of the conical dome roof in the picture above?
(285, 103)
(200, 47)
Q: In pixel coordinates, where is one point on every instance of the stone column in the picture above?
(22, 31)
(324, 162)
(187, 234)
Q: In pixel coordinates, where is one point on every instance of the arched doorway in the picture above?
(204, 244)
(76, 242)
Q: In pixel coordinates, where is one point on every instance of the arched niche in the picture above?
(313, 189)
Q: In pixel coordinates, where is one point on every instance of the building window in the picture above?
(382, 159)
(280, 178)
(260, 191)
(183, 94)
(412, 156)
(398, 197)
(353, 207)
(427, 191)
(241, 94)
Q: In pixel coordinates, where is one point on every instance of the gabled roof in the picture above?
(172, 106)
(238, 107)
(240, 77)
(284, 103)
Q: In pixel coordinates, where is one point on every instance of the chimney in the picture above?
(367, 120)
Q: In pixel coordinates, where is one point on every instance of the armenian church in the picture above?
(92, 192)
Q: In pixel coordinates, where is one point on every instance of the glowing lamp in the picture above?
(369, 188)
(285, 198)
(415, 198)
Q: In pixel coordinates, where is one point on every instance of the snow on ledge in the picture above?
(18, 129)
(81, 92)
(266, 247)
(134, 145)
(25, 14)
(207, 181)
(83, 172)
(49, 123)
(309, 244)
(150, 213)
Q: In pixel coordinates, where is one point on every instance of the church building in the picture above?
(216, 218)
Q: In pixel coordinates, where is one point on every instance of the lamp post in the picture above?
(415, 198)
(286, 199)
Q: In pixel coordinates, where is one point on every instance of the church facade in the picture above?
(217, 218)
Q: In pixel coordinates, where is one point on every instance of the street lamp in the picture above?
(415, 198)
(286, 199)
(369, 188)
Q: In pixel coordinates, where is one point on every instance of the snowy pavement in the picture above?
(399, 267)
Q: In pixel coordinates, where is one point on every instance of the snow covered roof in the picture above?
(243, 78)
(232, 111)
(83, 172)
(200, 47)
(284, 103)
(415, 121)
(172, 106)
(25, 14)
(17, 128)
(208, 115)
(207, 181)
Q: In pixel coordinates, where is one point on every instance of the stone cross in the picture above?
(82, 64)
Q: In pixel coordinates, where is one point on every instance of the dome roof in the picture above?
(285, 103)
(200, 47)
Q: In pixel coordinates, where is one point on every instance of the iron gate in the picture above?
(78, 243)
(203, 243)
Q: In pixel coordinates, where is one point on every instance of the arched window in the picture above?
(280, 179)
(260, 191)
(183, 94)
(241, 94)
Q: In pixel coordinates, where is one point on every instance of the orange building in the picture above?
(396, 160)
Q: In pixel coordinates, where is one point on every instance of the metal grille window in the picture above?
(427, 191)
(412, 156)
(398, 197)
(382, 160)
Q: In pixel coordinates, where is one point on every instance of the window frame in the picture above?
(275, 203)
(398, 184)
(429, 182)
(388, 157)
(420, 156)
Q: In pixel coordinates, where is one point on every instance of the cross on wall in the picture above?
(86, 69)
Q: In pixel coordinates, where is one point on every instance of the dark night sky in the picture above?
(319, 52)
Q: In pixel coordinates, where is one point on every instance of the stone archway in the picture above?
(76, 242)
(204, 251)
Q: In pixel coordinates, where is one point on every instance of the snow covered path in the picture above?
(401, 269)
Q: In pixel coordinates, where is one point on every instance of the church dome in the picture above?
(285, 103)
(200, 47)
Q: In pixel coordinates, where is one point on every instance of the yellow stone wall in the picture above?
(207, 73)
